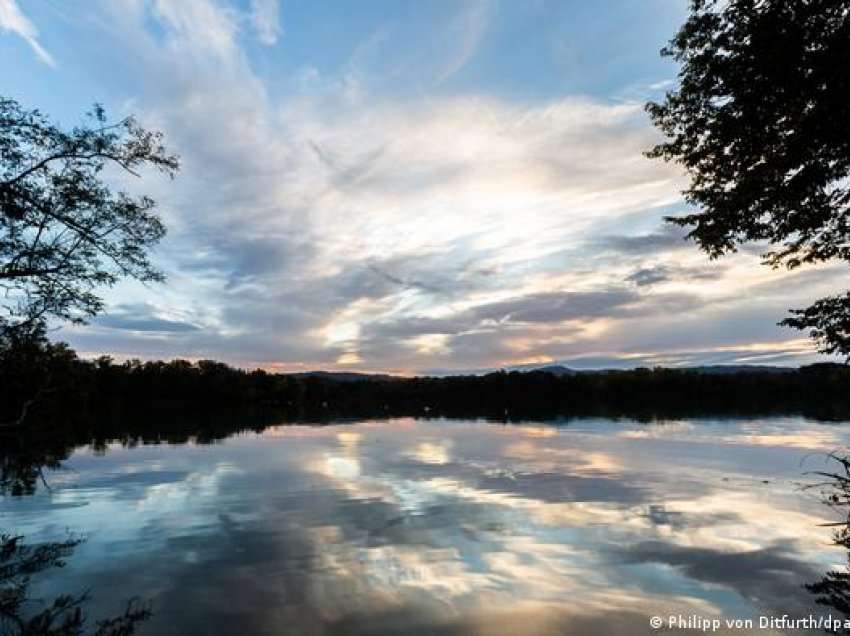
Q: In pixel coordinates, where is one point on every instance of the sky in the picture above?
(404, 187)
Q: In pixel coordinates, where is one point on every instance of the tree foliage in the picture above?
(761, 123)
(64, 230)
(74, 393)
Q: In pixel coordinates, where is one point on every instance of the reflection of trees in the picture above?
(833, 590)
(22, 463)
(64, 615)
(26, 453)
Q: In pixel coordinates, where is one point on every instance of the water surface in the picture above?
(446, 526)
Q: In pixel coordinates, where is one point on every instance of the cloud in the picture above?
(466, 31)
(265, 17)
(14, 21)
(141, 317)
(662, 273)
(198, 27)
(668, 237)
(646, 276)
(662, 85)
(556, 306)
(491, 318)
(326, 222)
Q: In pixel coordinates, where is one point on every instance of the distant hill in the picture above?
(556, 369)
(711, 369)
(343, 376)
(723, 369)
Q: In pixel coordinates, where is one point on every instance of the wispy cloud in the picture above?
(199, 27)
(265, 16)
(142, 317)
(323, 226)
(466, 31)
(14, 21)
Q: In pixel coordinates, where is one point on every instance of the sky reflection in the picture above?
(446, 526)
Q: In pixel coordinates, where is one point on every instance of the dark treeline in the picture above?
(43, 383)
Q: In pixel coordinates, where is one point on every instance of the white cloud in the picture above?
(466, 32)
(321, 228)
(14, 21)
(199, 27)
(265, 16)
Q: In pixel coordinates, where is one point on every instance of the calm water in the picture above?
(458, 527)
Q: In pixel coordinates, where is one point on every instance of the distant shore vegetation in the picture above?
(45, 384)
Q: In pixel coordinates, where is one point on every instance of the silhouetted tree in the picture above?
(761, 122)
(31, 368)
(64, 231)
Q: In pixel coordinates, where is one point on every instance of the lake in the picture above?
(447, 526)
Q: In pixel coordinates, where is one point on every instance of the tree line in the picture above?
(43, 381)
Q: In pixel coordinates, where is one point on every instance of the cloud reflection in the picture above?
(446, 527)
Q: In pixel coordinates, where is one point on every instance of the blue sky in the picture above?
(403, 186)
